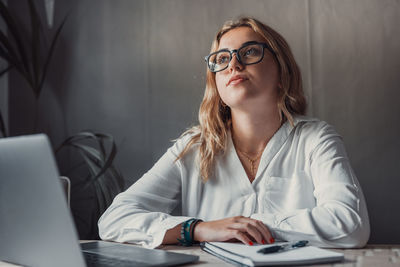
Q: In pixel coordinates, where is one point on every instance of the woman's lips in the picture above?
(236, 80)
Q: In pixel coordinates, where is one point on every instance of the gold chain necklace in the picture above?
(252, 161)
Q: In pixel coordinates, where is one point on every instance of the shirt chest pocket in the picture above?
(289, 193)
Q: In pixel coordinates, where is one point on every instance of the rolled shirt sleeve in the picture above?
(141, 214)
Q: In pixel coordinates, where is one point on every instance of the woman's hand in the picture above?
(240, 228)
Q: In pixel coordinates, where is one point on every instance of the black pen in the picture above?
(283, 247)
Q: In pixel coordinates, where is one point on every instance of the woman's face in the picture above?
(247, 86)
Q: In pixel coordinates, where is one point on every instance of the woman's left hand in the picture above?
(240, 228)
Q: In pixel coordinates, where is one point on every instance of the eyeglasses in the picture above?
(248, 54)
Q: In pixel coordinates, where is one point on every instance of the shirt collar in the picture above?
(301, 118)
(269, 152)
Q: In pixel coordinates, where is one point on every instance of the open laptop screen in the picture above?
(36, 228)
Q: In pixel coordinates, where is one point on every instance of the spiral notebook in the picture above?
(244, 255)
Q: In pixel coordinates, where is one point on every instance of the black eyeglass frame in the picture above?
(264, 45)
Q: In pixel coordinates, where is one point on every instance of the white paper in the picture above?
(248, 254)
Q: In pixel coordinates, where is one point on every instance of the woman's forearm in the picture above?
(172, 235)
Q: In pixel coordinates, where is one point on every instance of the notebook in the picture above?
(244, 255)
(36, 228)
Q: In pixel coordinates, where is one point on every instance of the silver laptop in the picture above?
(36, 228)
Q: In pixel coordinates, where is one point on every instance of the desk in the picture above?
(370, 256)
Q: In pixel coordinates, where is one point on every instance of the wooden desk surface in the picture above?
(370, 256)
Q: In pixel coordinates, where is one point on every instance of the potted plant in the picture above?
(30, 57)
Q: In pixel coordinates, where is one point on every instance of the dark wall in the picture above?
(135, 69)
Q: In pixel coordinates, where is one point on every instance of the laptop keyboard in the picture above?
(96, 260)
(104, 254)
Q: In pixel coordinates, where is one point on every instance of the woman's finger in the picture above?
(261, 228)
(265, 232)
(250, 229)
(239, 235)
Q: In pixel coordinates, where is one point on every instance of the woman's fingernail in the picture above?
(263, 241)
(271, 240)
(251, 243)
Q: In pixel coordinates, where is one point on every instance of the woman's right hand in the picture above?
(240, 228)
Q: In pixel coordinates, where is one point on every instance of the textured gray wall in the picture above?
(355, 85)
(135, 69)
(3, 87)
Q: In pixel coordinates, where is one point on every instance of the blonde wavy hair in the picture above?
(215, 117)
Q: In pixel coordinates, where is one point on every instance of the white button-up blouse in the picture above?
(304, 188)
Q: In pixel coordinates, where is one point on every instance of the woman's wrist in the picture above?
(187, 232)
(172, 235)
(193, 227)
(197, 232)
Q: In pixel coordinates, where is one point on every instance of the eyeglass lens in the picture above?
(249, 54)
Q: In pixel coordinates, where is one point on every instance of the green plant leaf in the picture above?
(5, 56)
(8, 47)
(50, 54)
(104, 195)
(118, 180)
(100, 198)
(92, 159)
(107, 194)
(79, 137)
(35, 45)
(8, 53)
(74, 141)
(92, 166)
(89, 151)
(112, 154)
(5, 70)
(14, 31)
(104, 177)
(100, 140)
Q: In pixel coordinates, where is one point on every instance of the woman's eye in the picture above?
(251, 52)
(222, 59)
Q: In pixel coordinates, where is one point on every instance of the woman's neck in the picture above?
(251, 133)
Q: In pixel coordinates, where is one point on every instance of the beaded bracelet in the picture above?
(187, 230)
(193, 226)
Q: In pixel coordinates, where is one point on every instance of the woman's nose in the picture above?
(235, 64)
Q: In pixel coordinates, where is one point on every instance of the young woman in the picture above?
(255, 169)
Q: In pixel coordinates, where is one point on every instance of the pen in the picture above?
(283, 247)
